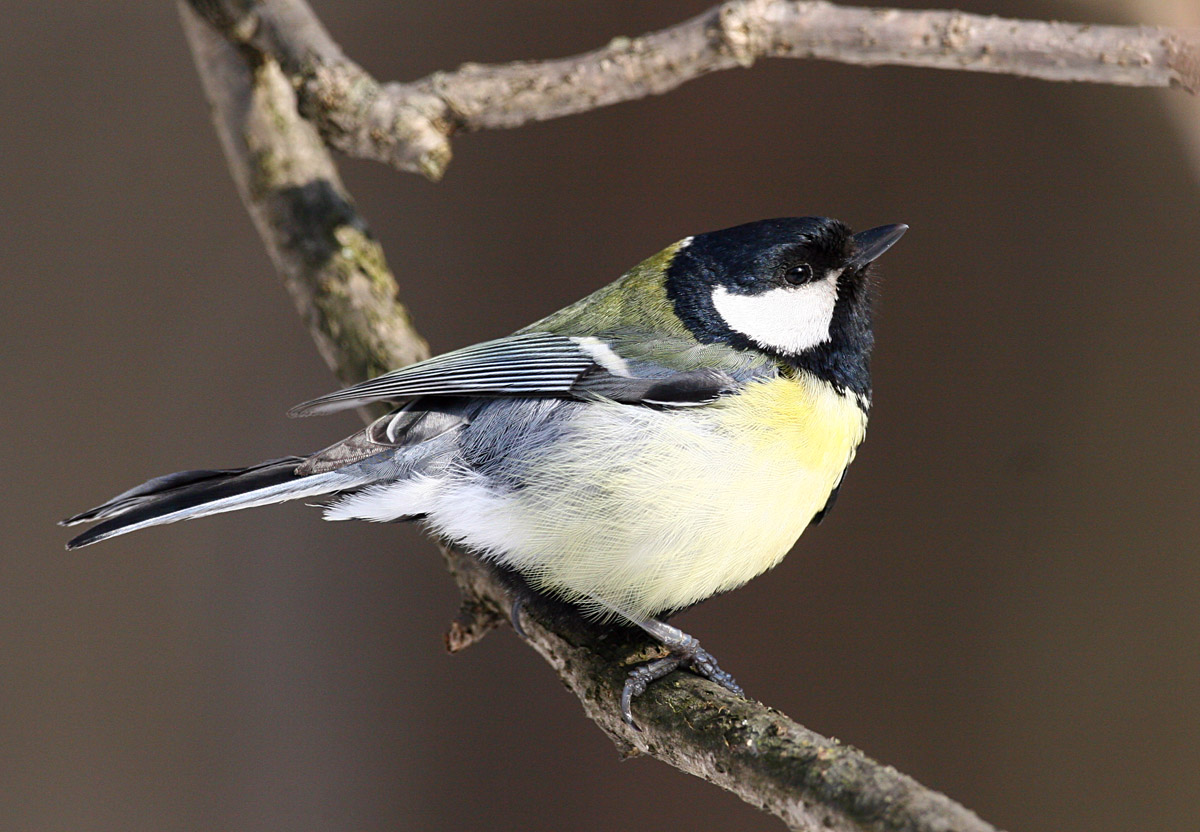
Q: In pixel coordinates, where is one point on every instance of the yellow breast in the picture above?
(638, 510)
(801, 419)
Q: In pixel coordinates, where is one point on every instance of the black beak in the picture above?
(868, 245)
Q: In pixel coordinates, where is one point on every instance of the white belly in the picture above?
(640, 511)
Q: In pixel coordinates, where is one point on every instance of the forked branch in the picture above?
(409, 125)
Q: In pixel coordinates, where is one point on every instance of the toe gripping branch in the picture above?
(685, 651)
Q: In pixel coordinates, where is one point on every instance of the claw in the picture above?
(514, 617)
(685, 652)
(705, 665)
(640, 678)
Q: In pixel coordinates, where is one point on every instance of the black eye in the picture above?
(798, 274)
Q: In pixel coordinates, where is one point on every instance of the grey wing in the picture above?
(542, 364)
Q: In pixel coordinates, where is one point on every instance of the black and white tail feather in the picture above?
(189, 494)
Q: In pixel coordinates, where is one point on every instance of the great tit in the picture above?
(665, 439)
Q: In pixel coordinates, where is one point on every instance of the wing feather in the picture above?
(531, 363)
(546, 364)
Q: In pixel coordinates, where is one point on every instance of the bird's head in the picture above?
(797, 288)
(782, 285)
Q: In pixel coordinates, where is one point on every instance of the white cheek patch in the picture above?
(787, 319)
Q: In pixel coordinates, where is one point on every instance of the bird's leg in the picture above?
(685, 651)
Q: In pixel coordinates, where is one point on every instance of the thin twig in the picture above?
(341, 284)
(409, 125)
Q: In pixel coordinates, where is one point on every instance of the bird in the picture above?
(665, 439)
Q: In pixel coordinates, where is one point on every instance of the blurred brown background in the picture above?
(1004, 604)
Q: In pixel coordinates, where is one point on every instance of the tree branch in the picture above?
(809, 781)
(340, 282)
(321, 246)
(409, 125)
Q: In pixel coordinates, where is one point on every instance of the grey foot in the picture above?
(685, 652)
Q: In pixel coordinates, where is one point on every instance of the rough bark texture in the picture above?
(332, 266)
(341, 284)
(409, 125)
(809, 781)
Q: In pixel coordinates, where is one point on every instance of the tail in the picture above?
(189, 494)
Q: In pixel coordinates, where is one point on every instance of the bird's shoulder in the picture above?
(623, 342)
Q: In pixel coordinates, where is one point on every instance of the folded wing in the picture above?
(542, 364)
